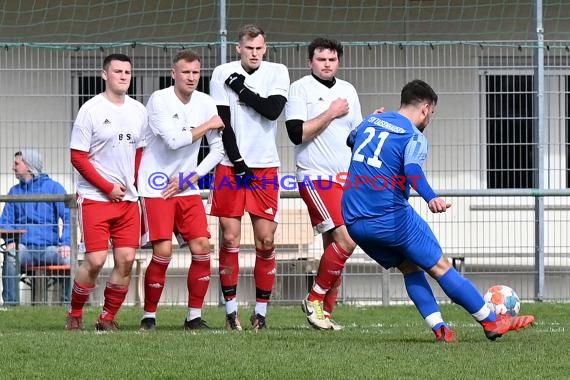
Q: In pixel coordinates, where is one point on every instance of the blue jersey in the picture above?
(376, 185)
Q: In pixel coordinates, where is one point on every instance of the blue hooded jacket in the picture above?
(39, 219)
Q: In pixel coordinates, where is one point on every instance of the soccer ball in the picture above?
(503, 300)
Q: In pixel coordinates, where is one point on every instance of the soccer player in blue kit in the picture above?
(388, 151)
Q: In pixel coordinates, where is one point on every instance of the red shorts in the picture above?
(102, 223)
(260, 199)
(183, 215)
(323, 200)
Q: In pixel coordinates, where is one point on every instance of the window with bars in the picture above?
(510, 132)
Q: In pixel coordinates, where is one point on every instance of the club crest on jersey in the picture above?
(106, 122)
(175, 116)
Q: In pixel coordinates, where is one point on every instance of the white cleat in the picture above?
(335, 326)
(314, 312)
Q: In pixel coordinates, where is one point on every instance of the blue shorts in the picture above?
(391, 240)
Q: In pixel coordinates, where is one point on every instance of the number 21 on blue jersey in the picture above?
(372, 161)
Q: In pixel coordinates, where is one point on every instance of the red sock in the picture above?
(330, 269)
(154, 279)
(114, 297)
(264, 274)
(229, 271)
(198, 279)
(330, 298)
(79, 297)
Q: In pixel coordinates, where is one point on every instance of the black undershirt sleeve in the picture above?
(270, 107)
(228, 135)
(295, 130)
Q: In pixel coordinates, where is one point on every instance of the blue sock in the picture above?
(461, 291)
(421, 294)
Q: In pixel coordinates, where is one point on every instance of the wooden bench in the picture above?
(41, 278)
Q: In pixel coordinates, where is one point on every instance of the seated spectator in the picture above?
(42, 243)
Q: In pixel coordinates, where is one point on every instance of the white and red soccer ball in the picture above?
(503, 300)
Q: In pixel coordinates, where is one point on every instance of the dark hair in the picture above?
(417, 91)
(186, 55)
(325, 43)
(250, 31)
(115, 57)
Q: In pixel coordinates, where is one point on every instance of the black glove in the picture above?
(235, 82)
(351, 139)
(244, 174)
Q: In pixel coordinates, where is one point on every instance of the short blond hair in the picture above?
(250, 31)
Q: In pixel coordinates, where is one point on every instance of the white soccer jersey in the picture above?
(169, 150)
(110, 134)
(327, 154)
(255, 134)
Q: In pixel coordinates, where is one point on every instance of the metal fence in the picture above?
(499, 144)
(480, 249)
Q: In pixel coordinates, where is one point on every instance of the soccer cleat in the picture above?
(105, 325)
(232, 322)
(506, 323)
(148, 325)
(196, 324)
(335, 326)
(314, 312)
(74, 323)
(444, 334)
(257, 322)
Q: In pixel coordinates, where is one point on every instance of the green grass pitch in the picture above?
(390, 342)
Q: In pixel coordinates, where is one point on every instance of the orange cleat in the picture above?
(506, 323)
(444, 334)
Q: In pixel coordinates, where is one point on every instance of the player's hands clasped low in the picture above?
(339, 107)
(118, 192)
(437, 205)
(236, 82)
